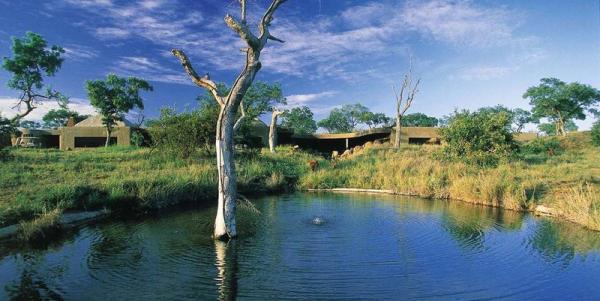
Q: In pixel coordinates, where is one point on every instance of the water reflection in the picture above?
(30, 285)
(377, 247)
(227, 269)
(562, 242)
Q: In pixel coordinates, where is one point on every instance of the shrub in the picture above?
(596, 133)
(480, 137)
(5, 155)
(183, 134)
(540, 146)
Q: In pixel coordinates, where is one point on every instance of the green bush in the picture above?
(596, 133)
(481, 137)
(184, 134)
(539, 146)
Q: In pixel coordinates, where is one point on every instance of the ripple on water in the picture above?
(324, 248)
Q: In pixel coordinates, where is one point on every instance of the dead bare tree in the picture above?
(273, 129)
(403, 102)
(225, 224)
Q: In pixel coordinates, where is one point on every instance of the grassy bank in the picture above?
(36, 181)
(568, 181)
(37, 185)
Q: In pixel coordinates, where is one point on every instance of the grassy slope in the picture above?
(569, 182)
(37, 181)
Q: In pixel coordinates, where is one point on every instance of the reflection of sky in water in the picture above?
(365, 247)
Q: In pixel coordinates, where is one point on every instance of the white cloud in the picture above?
(80, 52)
(322, 47)
(305, 99)
(461, 23)
(112, 33)
(485, 72)
(365, 15)
(81, 106)
(149, 69)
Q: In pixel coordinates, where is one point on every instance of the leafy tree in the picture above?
(345, 119)
(550, 128)
(596, 133)
(300, 120)
(29, 124)
(31, 61)
(521, 118)
(373, 120)
(561, 102)
(114, 97)
(354, 113)
(6, 129)
(183, 134)
(419, 120)
(260, 98)
(336, 122)
(480, 137)
(59, 117)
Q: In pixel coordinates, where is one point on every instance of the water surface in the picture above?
(317, 246)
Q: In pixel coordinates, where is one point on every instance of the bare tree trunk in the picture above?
(398, 128)
(402, 104)
(108, 132)
(273, 130)
(225, 224)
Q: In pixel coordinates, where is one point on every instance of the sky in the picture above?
(468, 54)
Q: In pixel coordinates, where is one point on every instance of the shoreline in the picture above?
(539, 210)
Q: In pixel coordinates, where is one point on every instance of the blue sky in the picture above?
(468, 53)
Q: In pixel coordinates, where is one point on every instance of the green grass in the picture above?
(36, 181)
(133, 179)
(518, 184)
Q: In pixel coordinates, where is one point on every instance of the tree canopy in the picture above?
(482, 137)
(419, 120)
(116, 96)
(31, 61)
(58, 117)
(300, 120)
(349, 117)
(561, 102)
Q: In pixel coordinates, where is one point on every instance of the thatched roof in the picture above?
(96, 121)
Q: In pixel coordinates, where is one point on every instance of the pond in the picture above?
(317, 246)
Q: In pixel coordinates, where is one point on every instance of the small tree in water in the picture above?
(115, 97)
(225, 225)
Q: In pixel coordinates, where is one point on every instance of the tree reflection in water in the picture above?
(227, 269)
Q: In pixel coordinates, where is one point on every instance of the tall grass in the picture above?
(518, 184)
(131, 179)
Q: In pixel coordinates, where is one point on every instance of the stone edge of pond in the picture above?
(67, 220)
(539, 210)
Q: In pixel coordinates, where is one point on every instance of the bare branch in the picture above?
(263, 27)
(271, 37)
(242, 30)
(238, 123)
(243, 10)
(204, 81)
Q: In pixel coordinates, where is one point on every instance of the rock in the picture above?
(346, 153)
(369, 144)
(543, 210)
(335, 154)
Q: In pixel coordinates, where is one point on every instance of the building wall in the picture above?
(68, 134)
